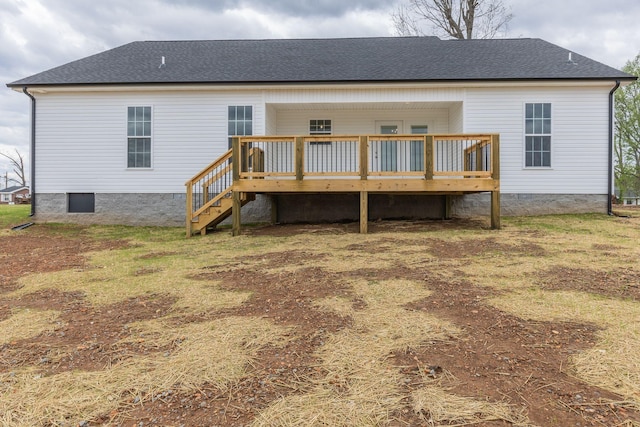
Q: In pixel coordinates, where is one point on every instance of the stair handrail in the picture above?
(205, 180)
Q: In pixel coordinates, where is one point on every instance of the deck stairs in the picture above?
(209, 196)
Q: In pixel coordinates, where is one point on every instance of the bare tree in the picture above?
(17, 163)
(458, 19)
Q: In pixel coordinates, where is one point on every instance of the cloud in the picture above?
(605, 31)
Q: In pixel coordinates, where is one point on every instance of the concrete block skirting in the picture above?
(529, 204)
(160, 209)
(147, 209)
(315, 208)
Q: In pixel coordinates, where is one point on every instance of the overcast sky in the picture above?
(36, 35)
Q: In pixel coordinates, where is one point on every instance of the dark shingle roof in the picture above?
(326, 60)
(13, 189)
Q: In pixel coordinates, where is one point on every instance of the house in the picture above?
(323, 129)
(14, 195)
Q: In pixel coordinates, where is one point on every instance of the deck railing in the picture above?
(206, 189)
(436, 164)
(367, 157)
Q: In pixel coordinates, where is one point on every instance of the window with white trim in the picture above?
(240, 121)
(320, 127)
(537, 135)
(139, 137)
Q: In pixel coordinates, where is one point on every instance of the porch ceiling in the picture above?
(362, 106)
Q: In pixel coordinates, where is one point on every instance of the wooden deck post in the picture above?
(299, 147)
(236, 207)
(447, 206)
(428, 157)
(189, 207)
(364, 162)
(274, 209)
(495, 210)
(364, 212)
(495, 174)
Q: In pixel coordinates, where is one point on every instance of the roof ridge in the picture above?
(287, 39)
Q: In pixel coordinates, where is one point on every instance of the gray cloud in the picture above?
(605, 31)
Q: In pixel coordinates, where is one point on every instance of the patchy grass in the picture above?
(26, 323)
(216, 353)
(613, 363)
(224, 331)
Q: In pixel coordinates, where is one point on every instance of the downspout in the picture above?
(610, 180)
(33, 150)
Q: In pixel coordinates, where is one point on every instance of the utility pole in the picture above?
(6, 180)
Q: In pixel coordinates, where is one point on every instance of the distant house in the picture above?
(14, 195)
(321, 130)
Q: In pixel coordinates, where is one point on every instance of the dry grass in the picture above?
(216, 353)
(439, 407)
(27, 323)
(613, 364)
(359, 386)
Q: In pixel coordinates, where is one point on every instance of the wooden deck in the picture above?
(418, 164)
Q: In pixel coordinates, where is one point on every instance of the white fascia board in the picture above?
(304, 86)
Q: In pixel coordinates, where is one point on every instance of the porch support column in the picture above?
(235, 213)
(364, 211)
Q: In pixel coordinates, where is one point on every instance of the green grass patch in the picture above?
(11, 215)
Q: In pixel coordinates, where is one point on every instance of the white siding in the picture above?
(579, 145)
(364, 95)
(81, 139)
(271, 120)
(456, 118)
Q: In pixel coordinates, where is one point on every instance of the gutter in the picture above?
(33, 150)
(611, 123)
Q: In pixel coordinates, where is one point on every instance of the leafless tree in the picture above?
(17, 163)
(458, 19)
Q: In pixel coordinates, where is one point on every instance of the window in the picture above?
(419, 129)
(139, 137)
(320, 127)
(81, 202)
(538, 135)
(240, 121)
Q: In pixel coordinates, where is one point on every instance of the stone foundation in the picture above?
(169, 209)
(529, 204)
(156, 209)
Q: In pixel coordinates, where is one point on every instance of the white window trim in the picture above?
(319, 133)
(126, 138)
(524, 137)
(253, 121)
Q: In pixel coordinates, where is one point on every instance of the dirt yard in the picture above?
(416, 323)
